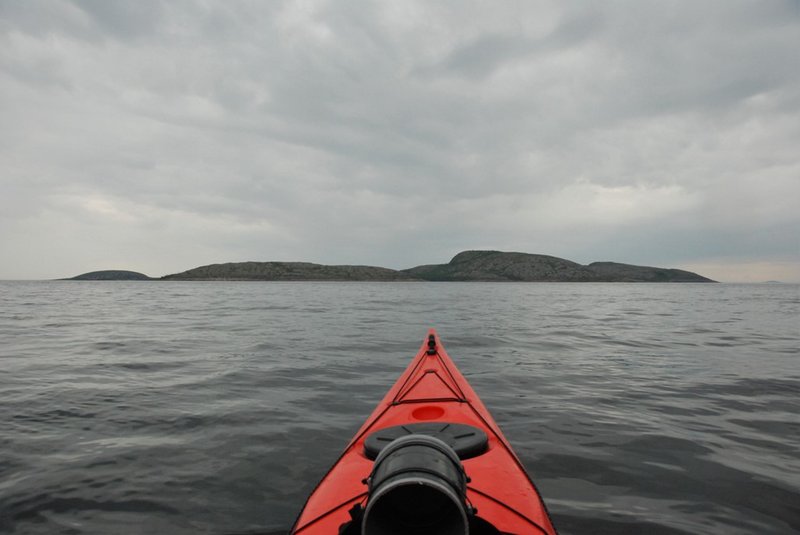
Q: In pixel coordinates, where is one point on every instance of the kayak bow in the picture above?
(430, 459)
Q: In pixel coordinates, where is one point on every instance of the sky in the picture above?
(158, 136)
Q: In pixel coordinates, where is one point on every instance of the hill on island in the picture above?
(465, 266)
(111, 275)
(501, 266)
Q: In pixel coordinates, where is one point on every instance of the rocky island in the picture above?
(466, 266)
(525, 267)
(287, 271)
(111, 275)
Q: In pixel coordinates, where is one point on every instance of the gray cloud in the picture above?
(162, 135)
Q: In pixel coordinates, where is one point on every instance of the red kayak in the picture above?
(430, 460)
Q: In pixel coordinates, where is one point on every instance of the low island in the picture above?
(112, 275)
(288, 271)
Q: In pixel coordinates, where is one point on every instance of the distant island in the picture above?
(483, 266)
(111, 275)
(525, 267)
(287, 271)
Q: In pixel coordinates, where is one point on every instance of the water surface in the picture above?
(214, 408)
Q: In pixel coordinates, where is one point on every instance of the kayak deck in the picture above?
(432, 390)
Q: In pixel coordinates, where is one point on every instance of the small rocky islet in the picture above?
(477, 266)
(112, 275)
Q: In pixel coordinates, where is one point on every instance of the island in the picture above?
(111, 275)
(526, 267)
(483, 266)
(287, 271)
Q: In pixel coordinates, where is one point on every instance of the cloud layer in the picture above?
(160, 136)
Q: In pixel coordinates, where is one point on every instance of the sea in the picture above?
(215, 407)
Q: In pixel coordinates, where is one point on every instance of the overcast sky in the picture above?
(160, 136)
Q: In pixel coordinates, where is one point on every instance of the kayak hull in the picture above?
(431, 390)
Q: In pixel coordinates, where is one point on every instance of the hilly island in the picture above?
(478, 266)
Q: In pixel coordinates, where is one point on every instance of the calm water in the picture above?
(183, 408)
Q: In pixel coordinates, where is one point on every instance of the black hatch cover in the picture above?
(466, 440)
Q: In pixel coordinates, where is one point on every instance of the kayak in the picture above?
(430, 460)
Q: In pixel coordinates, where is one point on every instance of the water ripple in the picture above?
(188, 408)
